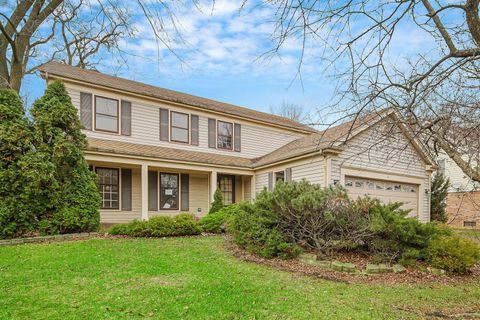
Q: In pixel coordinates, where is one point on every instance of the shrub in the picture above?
(397, 237)
(254, 228)
(217, 203)
(180, 225)
(321, 219)
(452, 254)
(216, 222)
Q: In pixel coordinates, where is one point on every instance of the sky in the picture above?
(222, 57)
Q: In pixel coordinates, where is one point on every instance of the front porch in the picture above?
(140, 189)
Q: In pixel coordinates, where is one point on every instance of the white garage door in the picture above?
(385, 191)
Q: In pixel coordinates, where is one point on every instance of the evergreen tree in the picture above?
(439, 192)
(217, 203)
(57, 134)
(24, 175)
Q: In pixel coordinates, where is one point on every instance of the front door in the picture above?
(226, 183)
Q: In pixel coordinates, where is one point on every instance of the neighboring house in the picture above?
(463, 200)
(161, 152)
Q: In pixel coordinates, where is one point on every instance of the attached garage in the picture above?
(385, 191)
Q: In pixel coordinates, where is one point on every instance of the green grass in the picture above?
(192, 278)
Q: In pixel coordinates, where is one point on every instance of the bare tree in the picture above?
(33, 32)
(436, 91)
(289, 110)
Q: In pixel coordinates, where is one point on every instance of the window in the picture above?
(441, 167)
(370, 185)
(227, 187)
(349, 183)
(106, 114)
(397, 187)
(358, 184)
(379, 186)
(279, 176)
(169, 191)
(108, 186)
(471, 224)
(179, 127)
(224, 135)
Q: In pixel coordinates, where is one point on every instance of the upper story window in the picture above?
(179, 127)
(106, 114)
(225, 135)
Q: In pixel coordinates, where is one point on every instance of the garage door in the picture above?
(385, 191)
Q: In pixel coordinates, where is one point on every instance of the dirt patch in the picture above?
(411, 276)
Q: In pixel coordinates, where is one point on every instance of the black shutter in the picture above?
(126, 110)
(212, 133)
(288, 174)
(152, 191)
(86, 110)
(184, 185)
(194, 133)
(237, 137)
(126, 189)
(164, 125)
(270, 181)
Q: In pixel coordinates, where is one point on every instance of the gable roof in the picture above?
(333, 139)
(100, 79)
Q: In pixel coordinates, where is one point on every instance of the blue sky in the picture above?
(222, 52)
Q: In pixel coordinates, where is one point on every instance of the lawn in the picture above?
(194, 278)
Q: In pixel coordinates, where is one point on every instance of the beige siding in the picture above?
(198, 197)
(425, 215)
(261, 182)
(373, 150)
(145, 129)
(311, 171)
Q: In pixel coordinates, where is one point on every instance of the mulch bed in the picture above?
(413, 275)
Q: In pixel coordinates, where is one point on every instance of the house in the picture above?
(161, 152)
(463, 200)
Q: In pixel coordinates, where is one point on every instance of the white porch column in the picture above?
(213, 185)
(144, 192)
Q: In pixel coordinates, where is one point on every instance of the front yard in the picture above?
(196, 278)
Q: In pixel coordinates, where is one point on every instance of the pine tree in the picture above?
(217, 203)
(24, 175)
(57, 134)
(439, 191)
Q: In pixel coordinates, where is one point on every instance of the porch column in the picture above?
(213, 185)
(144, 192)
(252, 188)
